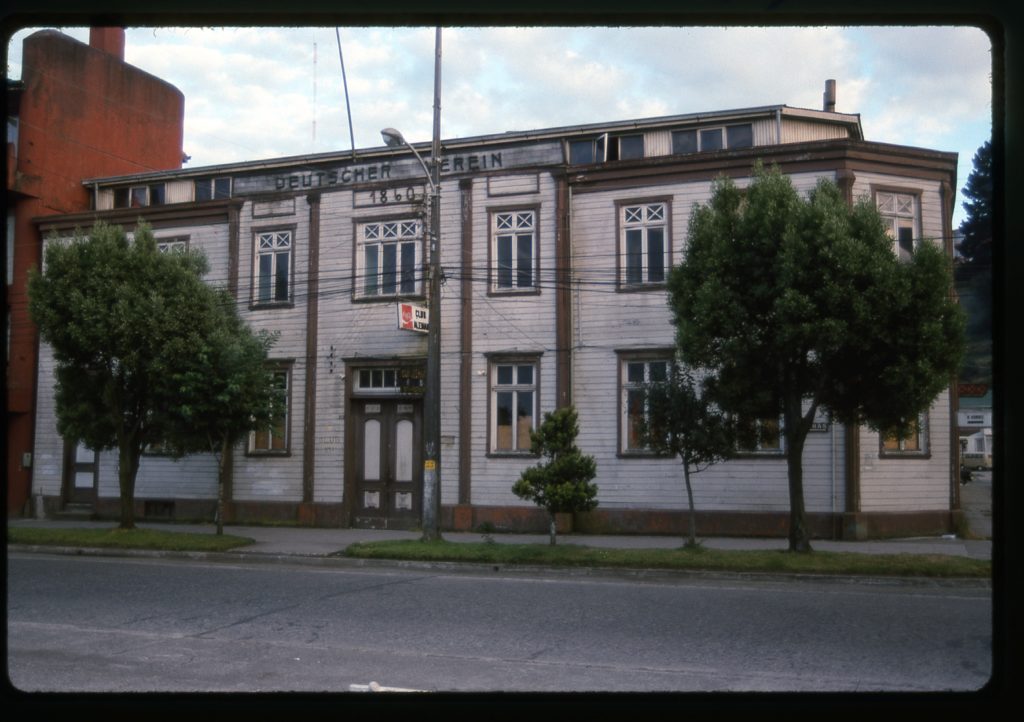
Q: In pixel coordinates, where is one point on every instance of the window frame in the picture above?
(415, 374)
(598, 149)
(417, 240)
(493, 289)
(698, 135)
(765, 452)
(494, 388)
(623, 227)
(629, 137)
(212, 183)
(125, 196)
(895, 221)
(923, 426)
(254, 298)
(169, 244)
(728, 136)
(624, 426)
(283, 368)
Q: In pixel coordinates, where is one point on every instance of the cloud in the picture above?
(249, 92)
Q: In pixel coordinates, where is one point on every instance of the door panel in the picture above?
(389, 477)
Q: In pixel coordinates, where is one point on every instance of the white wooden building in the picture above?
(554, 247)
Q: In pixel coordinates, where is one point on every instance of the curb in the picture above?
(636, 574)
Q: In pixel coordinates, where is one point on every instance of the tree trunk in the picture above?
(551, 529)
(796, 436)
(128, 466)
(224, 450)
(693, 513)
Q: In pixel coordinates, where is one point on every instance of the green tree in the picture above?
(681, 422)
(976, 227)
(562, 482)
(124, 322)
(225, 393)
(974, 274)
(795, 304)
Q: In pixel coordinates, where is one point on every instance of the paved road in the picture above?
(115, 625)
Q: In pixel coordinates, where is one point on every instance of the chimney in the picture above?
(109, 40)
(830, 96)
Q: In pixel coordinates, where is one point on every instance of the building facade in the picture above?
(555, 245)
(78, 111)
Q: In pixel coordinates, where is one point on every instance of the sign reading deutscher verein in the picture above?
(333, 175)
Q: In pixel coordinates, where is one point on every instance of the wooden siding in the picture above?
(277, 478)
(766, 132)
(892, 483)
(800, 131)
(194, 477)
(501, 324)
(928, 191)
(48, 451)
(606, 321)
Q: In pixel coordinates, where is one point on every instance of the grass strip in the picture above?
(117, 538)
(700, 558)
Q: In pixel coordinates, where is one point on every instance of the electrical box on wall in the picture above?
(26, 460)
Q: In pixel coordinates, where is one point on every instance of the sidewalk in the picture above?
(306, 542)
(316, 542)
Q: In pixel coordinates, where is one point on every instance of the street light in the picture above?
(393, 138)
(432, 393)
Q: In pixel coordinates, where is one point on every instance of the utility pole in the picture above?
(431, 512)
(432, 395)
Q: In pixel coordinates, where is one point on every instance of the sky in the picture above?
(270, 92)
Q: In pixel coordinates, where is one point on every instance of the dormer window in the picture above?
(208, 189)
(139, 196)
(711, 139)
(592, 150)
(631, 146)
(740, 136)
(699, 140)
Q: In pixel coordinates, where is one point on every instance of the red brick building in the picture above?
(79, 111)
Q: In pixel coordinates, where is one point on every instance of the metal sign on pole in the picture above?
(413, 318)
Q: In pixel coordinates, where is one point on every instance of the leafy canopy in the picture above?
(783, 298)
(228, 390)
(562, 482)
(790, 304)
(146, 353)
(977, 225)
(122, 320)
(681, 422)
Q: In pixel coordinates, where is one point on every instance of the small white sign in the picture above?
(413, 318)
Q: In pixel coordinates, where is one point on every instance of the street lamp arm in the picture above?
(393, 138)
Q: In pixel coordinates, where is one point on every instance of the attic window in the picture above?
(696, 140)
(139, 196)
(631, 146)
(711, 139)
(591, 150)
(208, 189)
(740, 136)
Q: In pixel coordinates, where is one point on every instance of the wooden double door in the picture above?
(387, 463)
